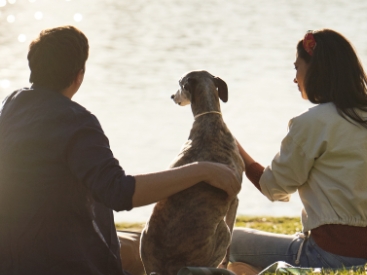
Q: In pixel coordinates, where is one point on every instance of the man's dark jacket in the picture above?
(59, 183)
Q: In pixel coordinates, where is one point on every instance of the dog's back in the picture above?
(188, 228)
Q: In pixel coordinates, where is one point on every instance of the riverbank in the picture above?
(285, 225)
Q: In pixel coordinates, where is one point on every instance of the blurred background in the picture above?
(139, 49)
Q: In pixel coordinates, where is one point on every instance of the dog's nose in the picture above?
(172, 96)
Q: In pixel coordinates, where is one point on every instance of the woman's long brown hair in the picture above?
(336, 75)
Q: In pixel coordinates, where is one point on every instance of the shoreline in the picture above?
(283, 225)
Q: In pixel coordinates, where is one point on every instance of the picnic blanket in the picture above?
(278, 268)
(283, 268)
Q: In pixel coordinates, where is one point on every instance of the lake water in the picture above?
(140, 48)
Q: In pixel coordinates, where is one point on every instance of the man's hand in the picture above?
(223, 177)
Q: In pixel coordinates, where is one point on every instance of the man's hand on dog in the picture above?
(223, 177)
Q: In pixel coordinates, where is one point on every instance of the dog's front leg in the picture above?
(230, 221)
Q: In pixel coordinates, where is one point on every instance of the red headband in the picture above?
(309, 43)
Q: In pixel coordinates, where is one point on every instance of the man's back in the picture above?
(50, 220)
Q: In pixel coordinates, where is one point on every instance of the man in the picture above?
(59, 181)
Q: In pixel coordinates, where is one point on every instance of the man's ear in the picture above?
(79, 77)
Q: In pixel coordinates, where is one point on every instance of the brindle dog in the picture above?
(194, 226)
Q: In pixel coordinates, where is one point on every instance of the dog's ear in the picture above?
(189, 85)
(191, 82)
(222, 89)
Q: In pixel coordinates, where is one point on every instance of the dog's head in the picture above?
(190, 81)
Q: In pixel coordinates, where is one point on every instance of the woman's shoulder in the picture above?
(324, 122)
(326, 115)
(317, 121)
(320, 115)
(319, 112)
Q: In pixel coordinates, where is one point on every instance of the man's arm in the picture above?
(153, 187)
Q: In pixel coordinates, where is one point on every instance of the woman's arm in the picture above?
(247, 159)
(253, 169)
(150, 188)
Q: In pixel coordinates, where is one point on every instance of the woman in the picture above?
(324, 158)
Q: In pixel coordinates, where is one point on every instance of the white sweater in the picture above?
(324, 157)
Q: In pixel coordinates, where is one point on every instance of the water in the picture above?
(139, 49)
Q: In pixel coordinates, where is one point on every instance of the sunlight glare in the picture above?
(10, 18)
(4, 83)
(22, 38)
(38, 15)
(78, 17)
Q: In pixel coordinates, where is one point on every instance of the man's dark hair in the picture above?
(56, 56)
(335, 74)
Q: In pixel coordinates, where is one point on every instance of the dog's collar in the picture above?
(210, 112)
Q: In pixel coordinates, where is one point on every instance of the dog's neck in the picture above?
(205, 113)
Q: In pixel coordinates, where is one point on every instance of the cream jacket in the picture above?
(324, 157)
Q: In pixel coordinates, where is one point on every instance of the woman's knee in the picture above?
(260, 248)
(241, 243)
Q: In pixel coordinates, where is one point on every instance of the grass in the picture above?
(129, 226)
(283, 225)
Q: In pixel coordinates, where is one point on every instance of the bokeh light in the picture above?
(2, 3)
(10, 18)
(32, 1)
(38, 15)
(12, 1)
(4, 83)
(78, 17)
(22, 37)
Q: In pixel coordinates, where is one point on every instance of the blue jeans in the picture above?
(261, 249)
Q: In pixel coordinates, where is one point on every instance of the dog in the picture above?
(194, 227)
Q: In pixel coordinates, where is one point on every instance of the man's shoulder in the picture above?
(56, 101)
(50, 105)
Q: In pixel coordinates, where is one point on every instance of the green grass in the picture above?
(129, 226)
(285, 225)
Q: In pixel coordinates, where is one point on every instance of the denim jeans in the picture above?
(261, 249)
